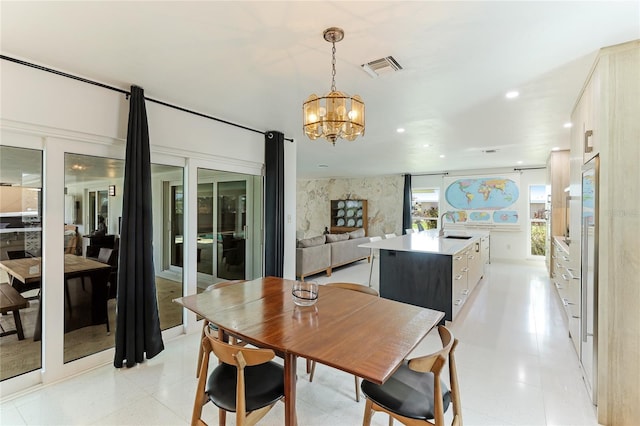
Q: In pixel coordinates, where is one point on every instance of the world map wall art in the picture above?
(490, 200)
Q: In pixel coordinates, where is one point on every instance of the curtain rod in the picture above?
(521, 169)
(431, 174)
(127, 93)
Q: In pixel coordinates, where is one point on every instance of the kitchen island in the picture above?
(432, 271)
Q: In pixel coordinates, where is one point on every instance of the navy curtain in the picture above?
(406, 204)
(138, 324)
(274, 204)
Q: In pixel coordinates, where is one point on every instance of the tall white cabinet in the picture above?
(606, 123)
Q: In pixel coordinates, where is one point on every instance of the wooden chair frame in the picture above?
(433, 363)
(206, 323)
(230, 354)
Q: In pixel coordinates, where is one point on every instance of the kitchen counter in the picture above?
(430, 242)
(435, 272)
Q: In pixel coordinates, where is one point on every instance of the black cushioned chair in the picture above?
(408, 395)
(246, 381)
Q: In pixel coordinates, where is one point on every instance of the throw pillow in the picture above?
(333, 238)
(311, 242)
(358, 233)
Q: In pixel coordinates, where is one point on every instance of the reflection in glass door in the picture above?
(229, 226)
(232, 223)
(20, 242)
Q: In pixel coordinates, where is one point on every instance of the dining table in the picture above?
(358, 333)
(28, 270)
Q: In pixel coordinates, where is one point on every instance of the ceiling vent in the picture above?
(381, 66)
(490, 151)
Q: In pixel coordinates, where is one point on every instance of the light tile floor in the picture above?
(516, 367)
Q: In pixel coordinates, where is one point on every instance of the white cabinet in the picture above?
(475, 265)
(606, 117)
(459, 279)
(567, 284)
(485, 254)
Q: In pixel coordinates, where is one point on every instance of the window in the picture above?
(424, 208)
(537, 219)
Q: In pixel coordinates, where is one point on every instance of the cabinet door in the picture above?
(590, 103)
(475, 265)
(459, 278)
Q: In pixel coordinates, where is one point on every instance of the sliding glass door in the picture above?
(229, 226)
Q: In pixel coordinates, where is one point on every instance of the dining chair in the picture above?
(420, 227)
(409, 231)
(408, 395)
(354, 287)
(110, 257)
(391, 235)
(207, 325)
(246, 381)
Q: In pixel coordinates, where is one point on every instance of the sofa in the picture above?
(325, 252)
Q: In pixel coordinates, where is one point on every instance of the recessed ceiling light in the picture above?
(323, 165)
(512, 94)
(441, 155)
(519, 162)
(555, 148)
(426, 145)
(568, 125)
(400, 130)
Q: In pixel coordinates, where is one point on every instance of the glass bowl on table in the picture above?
(305, 293)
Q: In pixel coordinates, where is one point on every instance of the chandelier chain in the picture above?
(333, 67)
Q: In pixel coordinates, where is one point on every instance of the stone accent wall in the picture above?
(384, 203)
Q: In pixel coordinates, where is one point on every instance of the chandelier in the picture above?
(336, 114)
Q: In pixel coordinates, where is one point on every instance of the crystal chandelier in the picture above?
(336, 114)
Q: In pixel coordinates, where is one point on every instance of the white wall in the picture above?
(505, 244)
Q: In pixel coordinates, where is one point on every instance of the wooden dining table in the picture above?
(28, 270)
(354, 332)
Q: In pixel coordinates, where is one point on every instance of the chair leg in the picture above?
(16, 318)
(355, 378)
(313, 371)
(373, 257)
(368, 412)
(107, 314)
(67, 296)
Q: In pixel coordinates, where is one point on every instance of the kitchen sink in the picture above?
(458, 237)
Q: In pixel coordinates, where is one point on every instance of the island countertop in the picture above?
(430, 242)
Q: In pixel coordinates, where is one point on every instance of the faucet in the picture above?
(450, 216)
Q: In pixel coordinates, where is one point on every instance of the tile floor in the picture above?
(516, 367)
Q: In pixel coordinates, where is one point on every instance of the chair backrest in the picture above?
(372, 239)
(104, 255)
(240, 357)
(392, 235)
(355, 287)
(420, 227)
(434, 363)
(409, 231)
(18, 254)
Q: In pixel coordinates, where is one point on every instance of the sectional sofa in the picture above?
(325, 252)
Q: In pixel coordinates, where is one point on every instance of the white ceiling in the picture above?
(255, 62)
